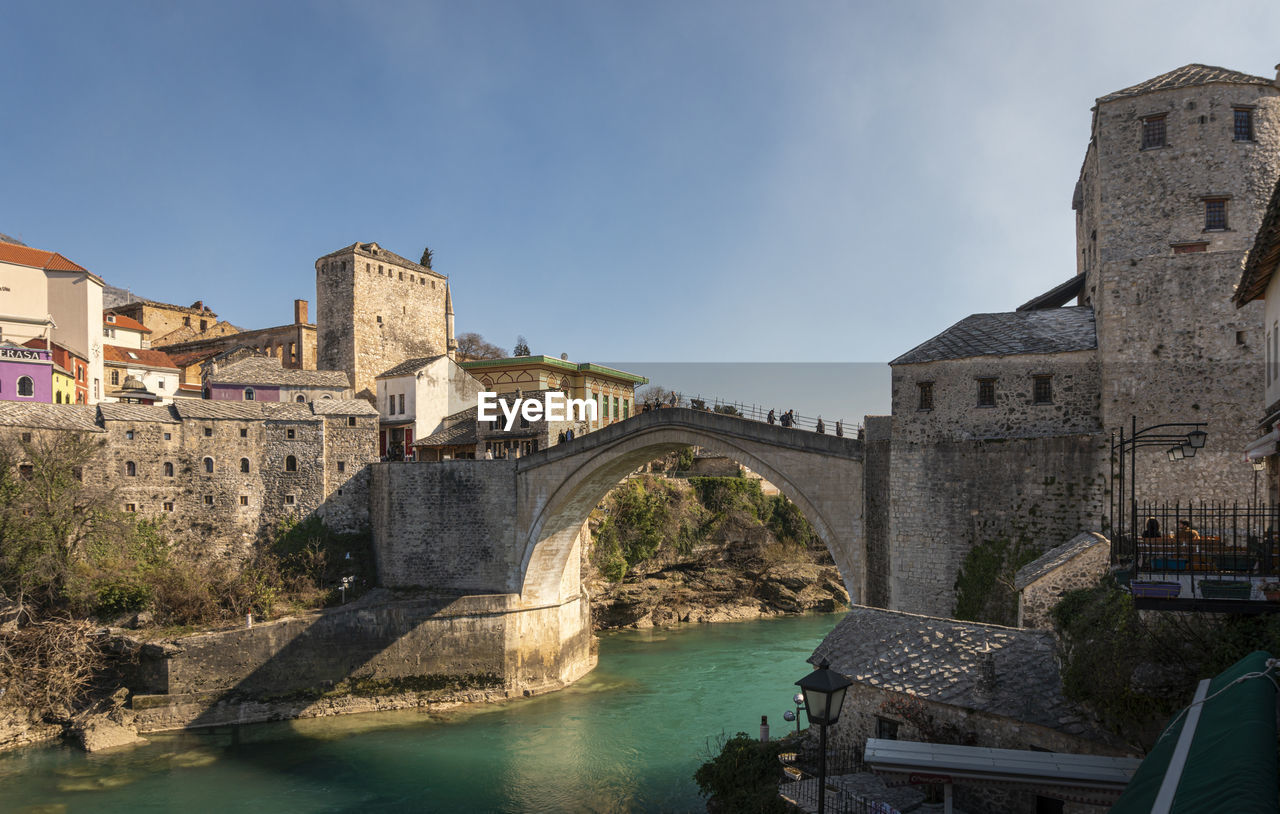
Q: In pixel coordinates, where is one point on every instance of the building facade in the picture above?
(614, 391)
(263, 378)
(415, 397)
(152, 371)
(26, 374)
(375, 310)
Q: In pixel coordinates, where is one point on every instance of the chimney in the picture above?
(299, 312)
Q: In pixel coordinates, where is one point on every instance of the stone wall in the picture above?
(374, 311)
(446, 524)
(947, 496)
(385, 646)
(955, 415)
(1079, 568)
(876, 507)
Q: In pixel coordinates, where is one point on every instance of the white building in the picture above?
(415, 396)
(157, 372)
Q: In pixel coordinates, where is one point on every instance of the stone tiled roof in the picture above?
(408, 366)
(343, 407)
(137, 412)
(265, 370)
(1055, 557)
(1054, 330)
(49, 416)
(243, 410)
(1185, 77)
(1264, 256)
(457, 435)
(942, 660)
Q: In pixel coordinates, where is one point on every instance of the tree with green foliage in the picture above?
(427, 257)
(984, 586)
(743, 777)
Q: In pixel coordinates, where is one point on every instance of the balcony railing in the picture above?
(1211, 552)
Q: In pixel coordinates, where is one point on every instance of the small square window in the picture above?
(168, 507)
(26, 471)
(290, 434)
(351, 421)
(342, 466)
(208, 432)
(926, 396)
(886, 729)
(244, 432)
(130, 507)
(26, 438)
(1153, 132)
(167, 436)
(208, 500)
(244, 500)
(1043, 390)
(1243, 124)
(288, 500)
(1215, 214)
(128, 434)
(986, 392)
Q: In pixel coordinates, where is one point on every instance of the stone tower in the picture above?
(376, 309)
(1175, 179)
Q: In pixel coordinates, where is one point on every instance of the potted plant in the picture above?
(1224, 589)
(1270, 590)
(1151, 589)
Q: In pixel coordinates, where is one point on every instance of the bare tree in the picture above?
(522, 347)
(472, 346)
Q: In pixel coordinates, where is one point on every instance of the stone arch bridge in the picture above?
(514, 526)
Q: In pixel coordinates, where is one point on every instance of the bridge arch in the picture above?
(821, 474)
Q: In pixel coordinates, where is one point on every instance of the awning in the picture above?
(1262, 447)
(1217, 755)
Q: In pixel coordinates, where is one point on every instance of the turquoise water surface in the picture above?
(627, 738)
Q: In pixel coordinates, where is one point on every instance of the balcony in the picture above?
(1210, 557)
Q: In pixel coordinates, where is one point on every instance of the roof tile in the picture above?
(1187, 76)
(1054, 330)
(265, 370)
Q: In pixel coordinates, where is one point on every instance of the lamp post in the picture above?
(1180, 445)
(823, 691)
(798, 700)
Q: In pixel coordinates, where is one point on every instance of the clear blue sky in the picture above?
(662, 181)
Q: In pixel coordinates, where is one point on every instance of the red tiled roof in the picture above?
(36, 258)
(137, 356)
(128, 323)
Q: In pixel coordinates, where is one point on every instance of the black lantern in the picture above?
(823, 690)
(1175, 453)
(1196, 438)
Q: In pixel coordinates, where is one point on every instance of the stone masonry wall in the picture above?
(374, 313)
(1036, 600)
(947, 496)
(876, 470)
(956, 415)
(446, 524)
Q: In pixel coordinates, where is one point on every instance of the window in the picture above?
(248, 394)
(129, 507)
(26, 471)
(615, 407)
(168, 469)
(402, 404)
(26, 387)
(1042, 390)
(244, 500)
(168, 507)
(300, 398)
(244, 464)
(208, 432)
(167, 436)
(208, 500)
(626, 408)
(26, 438)
(128, 434)
(290, 464)
(986, 392)
(244, 432)
(204, 325)
(131, 469)
(886, 729)
(288, 500)
(351, 421)
(1215, 214)
(290, 433)
(208, 465)
(342, 466)
(1243, 123)
(1153, 132)
(926, 396)
(379, 319)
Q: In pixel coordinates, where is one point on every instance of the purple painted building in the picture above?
(26, 374)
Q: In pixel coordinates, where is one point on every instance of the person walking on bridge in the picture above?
(822, 428)
(772, 418)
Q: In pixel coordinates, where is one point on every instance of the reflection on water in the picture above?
(626, 738)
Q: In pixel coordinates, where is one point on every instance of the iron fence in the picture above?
(1237, 540)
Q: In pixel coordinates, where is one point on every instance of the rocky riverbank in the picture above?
(704, 550)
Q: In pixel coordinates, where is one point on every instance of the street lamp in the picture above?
(823, 691)
(788, 716)
(1186, 438)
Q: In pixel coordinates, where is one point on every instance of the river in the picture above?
(626, 738)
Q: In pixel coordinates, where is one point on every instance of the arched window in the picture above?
(168, 469)
(290, 464)
(208, 465)
(300, 398)
(326, 396)
(244, 464)
(57, 397)
(248, 394)
(130, 469)
(26, 387)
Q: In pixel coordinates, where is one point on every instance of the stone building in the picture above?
(375, 310)
(164, 319)
(1002, 424)
(218, 473)
(416, 396)
(263, 378)
(1079, 563)
(922, 678)
(293, 344)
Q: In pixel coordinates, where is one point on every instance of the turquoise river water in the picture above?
(627, 738)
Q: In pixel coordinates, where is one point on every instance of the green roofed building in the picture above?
(613, 390)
